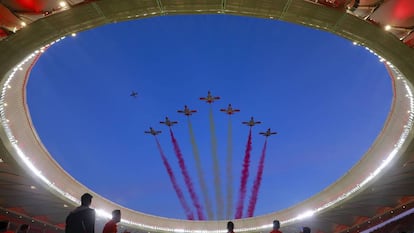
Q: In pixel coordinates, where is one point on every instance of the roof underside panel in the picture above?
(8, 20)
(26, 5)
(398, 13)
(409, 40)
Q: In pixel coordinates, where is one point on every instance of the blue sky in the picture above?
(326, 98)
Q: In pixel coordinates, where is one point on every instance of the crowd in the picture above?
(82, 219)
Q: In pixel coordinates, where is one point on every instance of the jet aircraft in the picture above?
(229, 110)
(209, 98)
(187, 111)
(134, 94)
(268, 133)
(152, 131)
(168, 123)
(251, 122)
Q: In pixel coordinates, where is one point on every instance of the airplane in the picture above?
(152, 131)
(230, 110)
(209, 98)
(267, 133)
(187, 111)
(168, 122)
(134, 94)
(251, 122)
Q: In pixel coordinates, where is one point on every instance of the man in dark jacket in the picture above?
(276, 227)
(230, 227)
(81, 219)
(306, 230)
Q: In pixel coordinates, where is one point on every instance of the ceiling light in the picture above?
(62, 4)
(23, 24)
(387, 27)
(73, 34)
(32, 187)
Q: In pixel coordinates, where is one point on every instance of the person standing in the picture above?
(230, 227)
(81, 219)
(110, 227)
(276, 227)
(306, 230)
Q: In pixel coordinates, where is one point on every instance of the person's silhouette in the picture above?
(230, 227)
(110, 226)
(81, 219)
(306, 230)
(276, 226)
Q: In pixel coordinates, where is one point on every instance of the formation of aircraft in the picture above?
(268, 133)
(187, 111)
(251, 122)
(168, 123)
(209, 98)
(152, 131)
(229, 110)
(133, 94)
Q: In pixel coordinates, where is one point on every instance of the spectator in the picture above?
(81, 219)
(230, 227)
(110, 227)
(306, 230)
(276, 226)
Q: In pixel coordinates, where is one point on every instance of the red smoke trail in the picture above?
(177, 189)
(187, 178)
(257, 181)
(244, 177)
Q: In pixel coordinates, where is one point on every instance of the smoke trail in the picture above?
(216, 166)
(229, 171)
(177, 189)
(187, 178)
(200, 173)
(257, 181)
(244, 177)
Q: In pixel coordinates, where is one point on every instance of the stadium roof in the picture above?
(35, 187)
